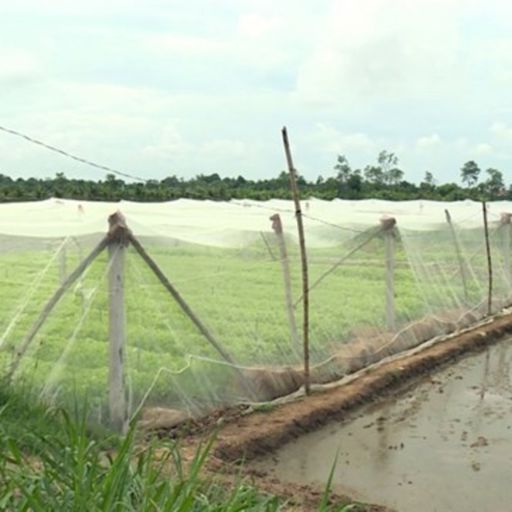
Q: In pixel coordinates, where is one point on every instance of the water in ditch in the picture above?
(443, 445)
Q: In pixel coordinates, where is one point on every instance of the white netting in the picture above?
(375, 288)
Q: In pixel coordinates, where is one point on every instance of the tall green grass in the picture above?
(50, 461)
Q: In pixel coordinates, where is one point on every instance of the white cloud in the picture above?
(186, 45)
(17, 66)
(426, 142)
(329, 139)
(256, 25)
(221, 149)
(172, 149)
(502, 131)
(483, 148)
(377, 49)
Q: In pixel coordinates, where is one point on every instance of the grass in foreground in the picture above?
(53, 462)
(50, 461)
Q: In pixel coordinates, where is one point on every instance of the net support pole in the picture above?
(489, 258)
(277, 226)
(388, 224)
(304, 262)
(458, 252)
(506, 226)
(117, 401)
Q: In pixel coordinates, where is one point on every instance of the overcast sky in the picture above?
(200, 86)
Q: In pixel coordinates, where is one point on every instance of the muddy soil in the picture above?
(441, 445)
(259, 433)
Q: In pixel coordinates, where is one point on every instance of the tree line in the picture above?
(383, 180)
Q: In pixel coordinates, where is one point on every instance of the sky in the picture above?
(162, 87)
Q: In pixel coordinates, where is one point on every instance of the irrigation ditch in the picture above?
(247, 435)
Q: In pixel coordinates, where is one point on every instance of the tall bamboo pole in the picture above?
(304, 261)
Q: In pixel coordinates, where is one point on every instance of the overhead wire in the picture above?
(72, 156)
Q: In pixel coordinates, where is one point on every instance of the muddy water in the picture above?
(444, 445)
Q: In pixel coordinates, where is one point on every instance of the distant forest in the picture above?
(383, 180)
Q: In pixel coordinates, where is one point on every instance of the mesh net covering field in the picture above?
(376, 287)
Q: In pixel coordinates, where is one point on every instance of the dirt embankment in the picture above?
(262, 432)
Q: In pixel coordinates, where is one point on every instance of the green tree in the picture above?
(469, 173)
(494, 185)
(429, 179)
(355, 185)
(394, 176)
(388, 162)
(343, 168)
(374, 174)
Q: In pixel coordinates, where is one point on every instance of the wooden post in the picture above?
(305, 286)
(460, 259)
(489, 260)
(118, 235)
(506, 226)
(277, 226)
(388, 224)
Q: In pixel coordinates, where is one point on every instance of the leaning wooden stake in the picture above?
(267, 245)
(305, 286)
(188, 311)
(52, 302)
(506, 226)
(179, 299)
(460, 259)
(489, 260)
(117, 399)
(277, 226)
(388, 224)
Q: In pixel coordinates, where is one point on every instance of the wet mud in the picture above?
(441, 444)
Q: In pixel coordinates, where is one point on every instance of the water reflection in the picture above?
(442, 445)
